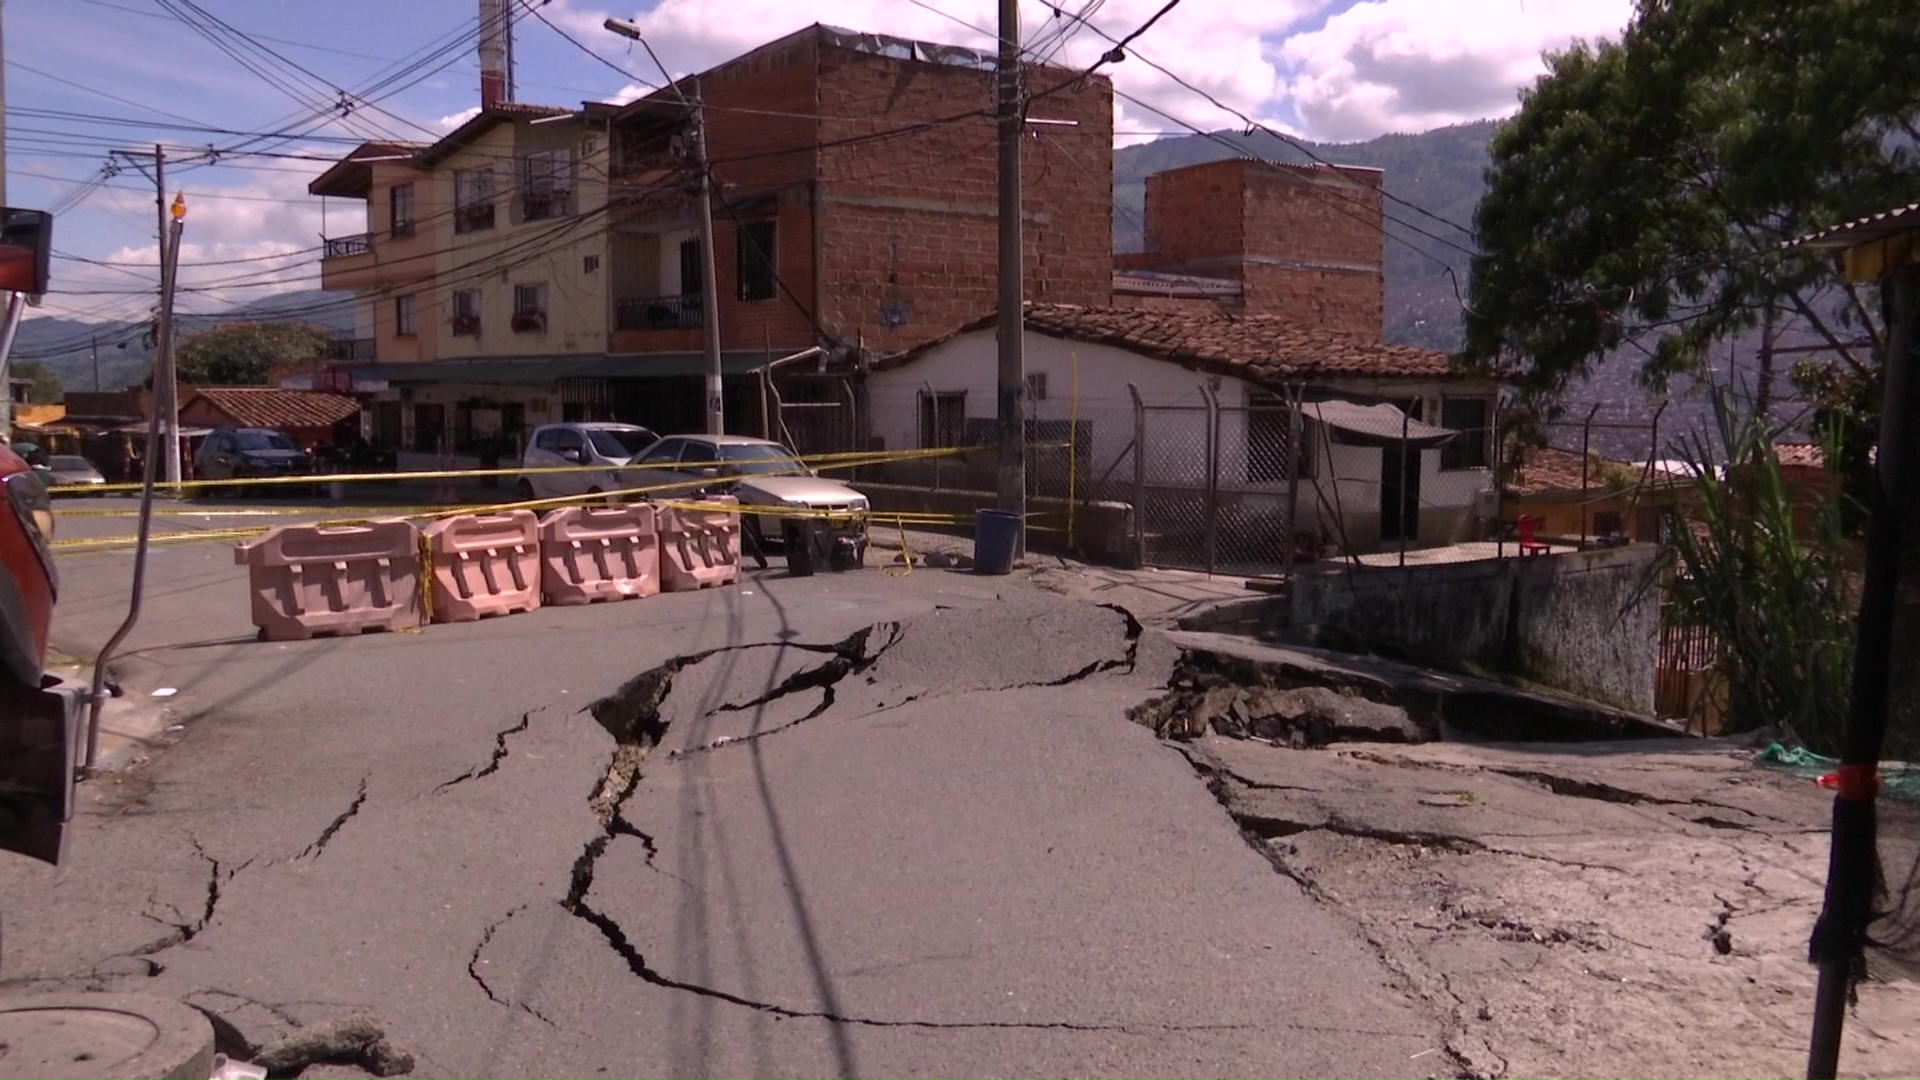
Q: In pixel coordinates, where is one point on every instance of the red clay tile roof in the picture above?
(1259, 348)
(1546, 470)
(259, 406)
(1800, 453)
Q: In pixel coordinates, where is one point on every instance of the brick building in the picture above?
(855, 209)
(1300, 242)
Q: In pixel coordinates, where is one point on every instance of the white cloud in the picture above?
(1216, 45)
(1411, 65)
(448, 123)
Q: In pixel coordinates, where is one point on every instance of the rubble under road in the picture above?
(1600, 908)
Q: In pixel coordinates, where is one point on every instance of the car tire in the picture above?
(596, 497)
(524, 491)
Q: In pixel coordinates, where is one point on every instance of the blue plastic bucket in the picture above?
(996, 533)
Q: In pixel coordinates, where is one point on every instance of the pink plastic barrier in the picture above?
(308, 581)
(590, 553)
(484, 564)
(699, 548)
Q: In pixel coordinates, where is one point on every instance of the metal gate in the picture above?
(1214, 487)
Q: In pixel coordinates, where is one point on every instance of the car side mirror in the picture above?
(578, 457)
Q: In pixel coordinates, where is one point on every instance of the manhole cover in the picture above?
(122, 1036)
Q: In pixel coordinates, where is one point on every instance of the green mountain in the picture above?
(66, 346)
(1441, 171)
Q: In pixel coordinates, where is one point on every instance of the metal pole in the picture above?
(1295, 429)
(1210, 533)
(1586, 461)
(1139, 476)
(710, 296)
(166, 394)
(1838, 934)
(1400, 493)
(97, 697)
(1013, 361)
(94, 342)
(16, 309)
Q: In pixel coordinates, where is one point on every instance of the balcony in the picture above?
(344, 247)
(349, 350)
(658, 313)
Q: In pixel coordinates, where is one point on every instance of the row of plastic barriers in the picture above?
(311, 581)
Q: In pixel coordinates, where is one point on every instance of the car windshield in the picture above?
(615, 443)
(761, 459)
(263, 440)
(69, 463)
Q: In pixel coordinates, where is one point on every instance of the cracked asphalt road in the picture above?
(844, 825)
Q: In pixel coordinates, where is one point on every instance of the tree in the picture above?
(1640, 196)
(242, 354)
(47, 388)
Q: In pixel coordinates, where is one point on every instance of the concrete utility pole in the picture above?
(93, 343)
(703, 211)
(165, 399)
(3, 104)
(1013, 360)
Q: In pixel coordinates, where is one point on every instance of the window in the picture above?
(664, 452)
(587, 147)
(472, 200)
(589, 264)
(690, 275)
(568, 441)
(400, 203)
(1468, 416)
(403, 316)
(697, 454)
(546, 439)
(546, 185)
(753, 256)
(466, 311)
(1037, 386)
(620, 442)
(529, 308)
(1608, 523)
(1269, 429)
(943, 418)
(254, 439)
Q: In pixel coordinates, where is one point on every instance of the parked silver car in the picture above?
(759, 472)
(602, 444)
(65, 470)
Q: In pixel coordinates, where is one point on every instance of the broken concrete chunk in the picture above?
(355, 1040)
(1316, 716)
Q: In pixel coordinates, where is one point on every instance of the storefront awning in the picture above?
(1374, 425)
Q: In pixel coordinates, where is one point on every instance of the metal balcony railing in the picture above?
(658, 313)
(349, 349)
(339, 247)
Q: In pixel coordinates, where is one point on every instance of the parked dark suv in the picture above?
(247, 453)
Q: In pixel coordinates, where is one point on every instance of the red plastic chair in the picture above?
(1528, 545)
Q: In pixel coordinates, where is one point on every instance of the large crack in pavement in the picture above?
(319, 845)
(492, 764)
(632, 715)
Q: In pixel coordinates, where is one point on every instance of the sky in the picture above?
(85, 77)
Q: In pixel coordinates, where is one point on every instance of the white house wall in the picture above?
(1346, 480)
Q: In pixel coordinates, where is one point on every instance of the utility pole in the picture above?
(1763, 394)
(703, 212)
(1013, 360)
(93, 342)
(165, 394)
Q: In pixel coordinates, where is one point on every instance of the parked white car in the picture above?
(758, 472)
(572, 445)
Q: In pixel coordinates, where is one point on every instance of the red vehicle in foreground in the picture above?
(40, 718)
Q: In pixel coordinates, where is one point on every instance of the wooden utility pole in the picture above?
(1763, 394)
(1013, 360)
(709, 288)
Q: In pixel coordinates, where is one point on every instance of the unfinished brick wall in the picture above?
(887, 194)
(1305, 243)
(909, 222)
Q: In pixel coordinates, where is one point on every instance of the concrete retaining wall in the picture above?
(1569, 622)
